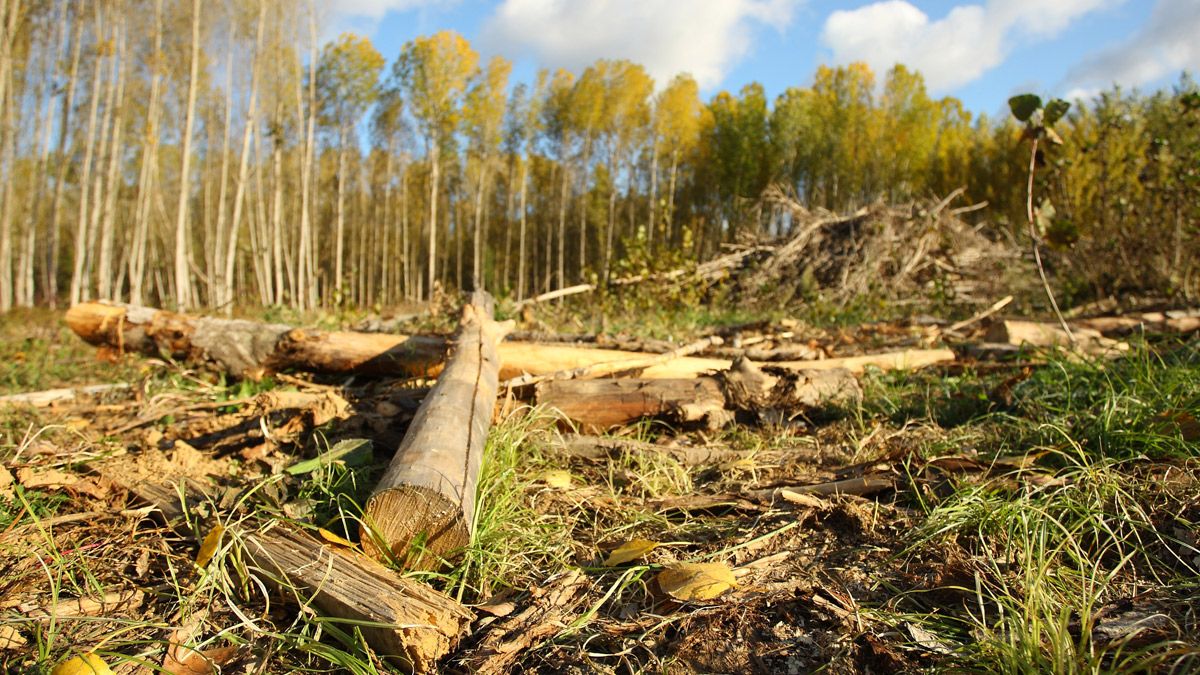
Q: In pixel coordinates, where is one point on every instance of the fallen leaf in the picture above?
(557, 478)
(696, 581)
(45, 478)
(181, 659)
(78, 423)
(209, 547)
(87, 664)
(92, 486)
(1181, 421)
(335, 539)
(11, 638)
(6, 478)
(629, 551)
(497, 609)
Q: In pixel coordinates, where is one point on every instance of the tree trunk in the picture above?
(433, 204)
(227, 280)
(85, 176)
(183, 286)
(340, 213)
(54, 249)
(105, 267)
(524, 217)
(423, 509)
(148, 172)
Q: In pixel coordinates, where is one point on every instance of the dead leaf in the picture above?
(45, 478)
(335, 539)
(497, 609)
(92, 486)
(181, 659)
(209, 548)
(696, 581)
(78, 423)
(87, 664)
(11, 638)
(1183, 422)
(557, 478)
(629, 551)
(6, 478)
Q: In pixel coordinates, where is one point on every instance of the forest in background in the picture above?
(217, 154)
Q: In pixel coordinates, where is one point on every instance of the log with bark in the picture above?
(248, 348)
(400, 618)
(423, 508)
(772, 395)
(1034, 334)
(1179, 321)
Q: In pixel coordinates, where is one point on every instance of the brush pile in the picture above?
(921, 250)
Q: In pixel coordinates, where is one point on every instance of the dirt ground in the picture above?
(1033, 514)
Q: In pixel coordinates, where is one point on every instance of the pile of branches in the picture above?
(923, 249)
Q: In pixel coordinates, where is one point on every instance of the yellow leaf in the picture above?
(334, 539)
(557, 479)
(696, 581)
(209, 547)
(88, 664)
(629, 551)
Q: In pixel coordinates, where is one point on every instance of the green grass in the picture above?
(1046, 559)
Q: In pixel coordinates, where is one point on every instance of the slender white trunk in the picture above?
(104, 271)
(524, 218)
(340, 212)
(477, 254)
(149, 170)
(81, 233)
(227, 279)
(183, 287)
(433, 209)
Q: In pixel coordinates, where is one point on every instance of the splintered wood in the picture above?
(709, 401)
(401, 619)
(423, 508)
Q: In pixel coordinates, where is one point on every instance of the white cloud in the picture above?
(954, 50)
(371, 9)
(702, 37)
(1167, 44)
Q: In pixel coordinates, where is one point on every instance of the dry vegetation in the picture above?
(1031, 515)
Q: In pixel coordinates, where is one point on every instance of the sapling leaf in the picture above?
(1024, 105)
(1055, 110)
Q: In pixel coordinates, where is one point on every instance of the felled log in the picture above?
(423, 508)
(400, 618)
(252, 348)
(773, 395)
(41, 399)
(1035, 334)
(1186, 321)
(249, 348)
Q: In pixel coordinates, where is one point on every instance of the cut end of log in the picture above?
(92, 321)
(417, 526)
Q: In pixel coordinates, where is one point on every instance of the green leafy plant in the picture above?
(1039, 122)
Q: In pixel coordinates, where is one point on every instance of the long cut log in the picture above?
(423, 508)
(248, 348)
(710, 401)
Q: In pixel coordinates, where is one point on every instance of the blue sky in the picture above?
(981, 51)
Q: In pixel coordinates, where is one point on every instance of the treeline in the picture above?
(187, 153)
